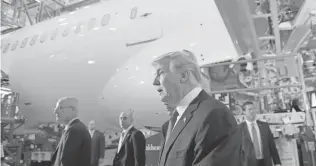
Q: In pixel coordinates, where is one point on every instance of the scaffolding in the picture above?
(16, 14)
(10, 121)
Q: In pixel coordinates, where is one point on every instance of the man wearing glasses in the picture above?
(74, 148)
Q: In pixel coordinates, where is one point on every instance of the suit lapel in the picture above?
(245, 126)
(261, 131)
(164, 129)
(61, 141)
(63, 134)
(126, 137)
(161, 148)
(94, 134)
(183, 121)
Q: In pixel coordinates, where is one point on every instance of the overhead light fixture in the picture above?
(91, 62)
(63, 24)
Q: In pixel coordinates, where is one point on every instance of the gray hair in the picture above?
(69, 101)
(181, 61)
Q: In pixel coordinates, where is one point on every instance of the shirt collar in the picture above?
(187, 99)
(250, 123)
(67, 126)
(129, 128)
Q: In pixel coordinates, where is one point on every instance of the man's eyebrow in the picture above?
(159, 71)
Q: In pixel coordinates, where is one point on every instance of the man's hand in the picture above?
(101, 160)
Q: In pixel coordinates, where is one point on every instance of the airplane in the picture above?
(102, 55)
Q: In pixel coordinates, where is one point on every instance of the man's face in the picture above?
(167, 84)
(125, 121)
(63, 113)
(250, 112)
(91, 125)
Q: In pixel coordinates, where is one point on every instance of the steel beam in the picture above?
(27, 12)
(298, 36)
(59, 3)
(29, 6)
(252, 28)
(79, 4)
(47, 12)
(304, 13)
(40, 11)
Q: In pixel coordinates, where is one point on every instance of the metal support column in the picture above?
(27, 12)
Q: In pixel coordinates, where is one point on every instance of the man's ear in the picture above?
(184, 76)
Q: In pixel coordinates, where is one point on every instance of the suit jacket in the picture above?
(236, 150)
(267, 143)
(248, 154)
(132, 152)
(74, 148)
(204, 125)
(97, 147)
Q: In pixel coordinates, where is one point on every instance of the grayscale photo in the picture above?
(158, 83)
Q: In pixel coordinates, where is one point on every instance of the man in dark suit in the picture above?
(199, 126)
(261, 136)
(97, 144)
(132, 144)
(74, 148)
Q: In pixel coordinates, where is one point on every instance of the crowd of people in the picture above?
(201, 130)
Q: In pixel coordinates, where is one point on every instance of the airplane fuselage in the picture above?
(102, 55)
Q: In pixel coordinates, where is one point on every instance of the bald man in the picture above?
(97, 144)
(74, 148)
(131, 149)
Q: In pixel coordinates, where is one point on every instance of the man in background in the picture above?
(74, 148)
(261, 136)
(97, 144)
(132, 144)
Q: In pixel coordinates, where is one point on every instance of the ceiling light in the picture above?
(91, 62)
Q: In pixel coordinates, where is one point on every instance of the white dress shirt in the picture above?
(186, 101)
(67, 126)
(91, 132)
(122, 138)
(249, 125)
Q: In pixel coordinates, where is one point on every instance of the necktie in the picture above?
(59, 149)
(256, 142)
(121, 140)
(172, 122)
